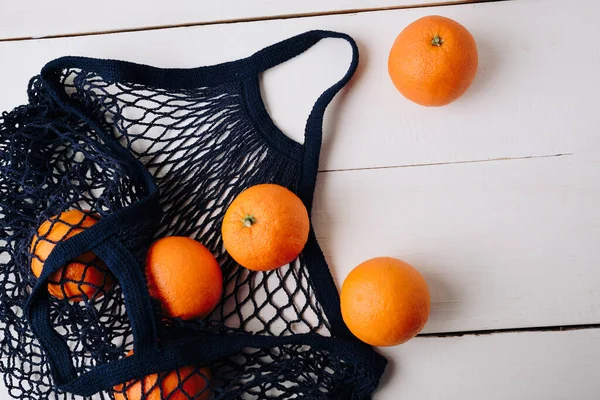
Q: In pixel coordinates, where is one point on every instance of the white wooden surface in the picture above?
(502, 244)
(521, 82)
(39, 18)
(512, 366)
(505, 225)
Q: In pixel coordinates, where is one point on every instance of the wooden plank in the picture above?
(508, 112)
(502, 244)
(532, 365)
(39, 18)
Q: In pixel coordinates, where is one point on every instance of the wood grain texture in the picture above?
(519, 366)
(38, 18)
(529, 98)
(502, 244)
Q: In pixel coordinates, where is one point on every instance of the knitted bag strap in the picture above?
(325, 288)
(100, 239)
(281, 52)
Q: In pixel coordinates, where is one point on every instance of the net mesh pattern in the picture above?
(58, 178)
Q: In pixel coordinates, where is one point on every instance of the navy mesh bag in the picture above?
(144, 153)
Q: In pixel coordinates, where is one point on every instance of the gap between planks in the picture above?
(447, 163)
(558, 328)
(254, 19)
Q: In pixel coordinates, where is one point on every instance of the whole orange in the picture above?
(184, 276)
(182, 384)
(385, 301)
(433, 61)
(82, 278)
(265, 227)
